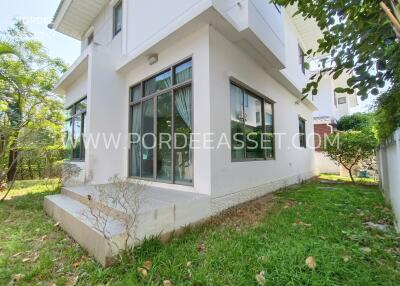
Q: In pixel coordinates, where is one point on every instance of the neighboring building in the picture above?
(193, 66)
(331, 107)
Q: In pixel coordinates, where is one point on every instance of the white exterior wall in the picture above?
(215, 59)
(151, 19)
(293, 67)
(196, 46)
(325, 99)
(388, 160)
(325, 165)
(76, 91)
(243, 180)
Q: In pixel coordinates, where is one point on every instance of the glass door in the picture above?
(148, 139)
(161, 126)
(164, 137)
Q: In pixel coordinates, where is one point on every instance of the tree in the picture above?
(349, 148)
(30, 114)
(125, 196)
(387, 118)
(356, 122)
(362, 38)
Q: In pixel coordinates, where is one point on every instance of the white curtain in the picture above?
(136, 125)
(183, 103)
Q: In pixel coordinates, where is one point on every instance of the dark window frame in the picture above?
(75, 114)
(302, 59)
(302, 135)
(90, 38)
(154, 96)
(264, 99)
(342, 100)
(117, 6)
(278, 8)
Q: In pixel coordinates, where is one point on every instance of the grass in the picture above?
(336, 178)
(222, 252)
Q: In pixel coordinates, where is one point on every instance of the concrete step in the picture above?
(69, 213)
(161, 210)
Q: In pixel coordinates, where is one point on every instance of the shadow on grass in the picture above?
(29, 195)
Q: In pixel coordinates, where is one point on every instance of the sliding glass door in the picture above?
(164, 137)
(183, 129)
(161, 126)
(148, 139)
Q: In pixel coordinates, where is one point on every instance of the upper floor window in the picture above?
(302, 132)
(90, 38)
(251, 125)
(342, 100)
(117, 18)
(302, 62)
(74, 131)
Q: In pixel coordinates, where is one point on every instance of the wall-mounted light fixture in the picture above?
(152, 59)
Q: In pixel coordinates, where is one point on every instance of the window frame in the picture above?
(278, 8)
(342, 100)
(302, 135)
(264, 99)
(154, 96)
(117, 6)
(72, 117)
(302, 59)
(90, 39)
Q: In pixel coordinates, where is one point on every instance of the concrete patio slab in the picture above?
(161, 211)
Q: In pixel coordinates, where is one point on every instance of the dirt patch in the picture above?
(248, 214)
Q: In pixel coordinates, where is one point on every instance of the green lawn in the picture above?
(314, 219)
(368, 181)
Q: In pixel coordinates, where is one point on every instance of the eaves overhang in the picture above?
(75, 71)
(74, 17)
(307, 29)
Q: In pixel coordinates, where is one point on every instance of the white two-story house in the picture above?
(208, 69)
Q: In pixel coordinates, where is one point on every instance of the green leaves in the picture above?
(6, 48)
(356, 122)
(349, 148)
(30, 114)
(361, 41)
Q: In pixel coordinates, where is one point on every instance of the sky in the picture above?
(37, 14)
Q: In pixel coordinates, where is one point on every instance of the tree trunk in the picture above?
(30, 169)
(351, 175)
(12, 164)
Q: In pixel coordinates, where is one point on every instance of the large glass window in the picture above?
(183, 129)
(90, 38)
(164, 135)
(136, 127)
(268, 138)
(161, 126)
(302, 132)
(117, 18)
(251, 125)
(74, 131)
(157, 83)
